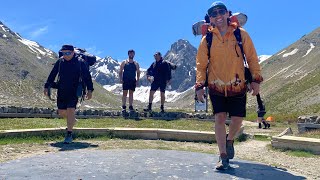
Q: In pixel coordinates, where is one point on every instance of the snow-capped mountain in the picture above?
(40, 51)
(263, 58)
(106, 71)
(142, 93)
(181, 53)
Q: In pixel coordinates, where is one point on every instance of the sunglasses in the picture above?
(218, 12)
(66, 53)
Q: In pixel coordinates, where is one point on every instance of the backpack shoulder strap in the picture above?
(237, 34)
(209, 42)
(247, 73)
(59, 61)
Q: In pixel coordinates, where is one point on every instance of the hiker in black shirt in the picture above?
(71, 72)
(159, 74)
(129, 71)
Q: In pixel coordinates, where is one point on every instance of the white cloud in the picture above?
(38, 32)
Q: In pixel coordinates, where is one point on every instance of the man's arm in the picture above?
(52, 74)
(150, 70)
(86, 77)
(121, 71)
(201, 72)
(168, 70)
(252, 59)
(202, 62)
(138, 71)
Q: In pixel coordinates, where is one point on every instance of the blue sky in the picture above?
(111, 27)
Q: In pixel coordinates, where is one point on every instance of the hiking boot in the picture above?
(265, 125)
(124, 113)
(68, 139)
(148, 109)
(259, 126)
(131, 108)
(223, 163)
(230, 149)
(268, 125)
(162, 109)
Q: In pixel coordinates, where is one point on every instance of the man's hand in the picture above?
(200, 95)
(45, 91)
(254, 88)
(89, 95)
(150, 79)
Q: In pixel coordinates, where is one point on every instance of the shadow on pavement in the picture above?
(73, 146)
(249, 170)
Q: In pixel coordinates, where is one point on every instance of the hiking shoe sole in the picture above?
(223, 164)
(230, 150)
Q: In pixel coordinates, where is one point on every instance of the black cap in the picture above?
(67, 47)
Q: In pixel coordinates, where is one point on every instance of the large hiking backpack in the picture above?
(83, 55)
(200, 27)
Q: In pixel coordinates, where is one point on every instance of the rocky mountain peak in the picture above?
(183, 54)
(181, 45)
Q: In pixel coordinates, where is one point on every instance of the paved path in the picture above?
(134, 164)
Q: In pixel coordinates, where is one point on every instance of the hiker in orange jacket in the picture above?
(226, 77)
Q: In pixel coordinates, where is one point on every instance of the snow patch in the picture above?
(309, 50)
(281, 52)
(142, 93)
(291, 53)
(3, 28)
(280, 72)
(263, 58)
(35, 47)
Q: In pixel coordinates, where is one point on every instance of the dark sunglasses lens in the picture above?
(214, 14)
(220, 12)
(66, 53)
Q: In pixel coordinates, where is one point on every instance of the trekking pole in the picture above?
(260, 102)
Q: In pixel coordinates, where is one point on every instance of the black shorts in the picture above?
(155, 86)
(234, 105)
(129, 85)
(64, 104)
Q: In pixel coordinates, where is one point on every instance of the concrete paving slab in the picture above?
(136, 165)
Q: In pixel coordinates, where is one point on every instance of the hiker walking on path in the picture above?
(129, 76)
(225, 74)
(159, 75)
(72, 74)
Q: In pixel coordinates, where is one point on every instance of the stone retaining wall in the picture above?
(12, 111)
(306, 123)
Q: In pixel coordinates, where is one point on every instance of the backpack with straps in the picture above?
(247, 73)
(81, 84)
(89, 59)
(237, 34)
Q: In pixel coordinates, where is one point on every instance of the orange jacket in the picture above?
(226, 67)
